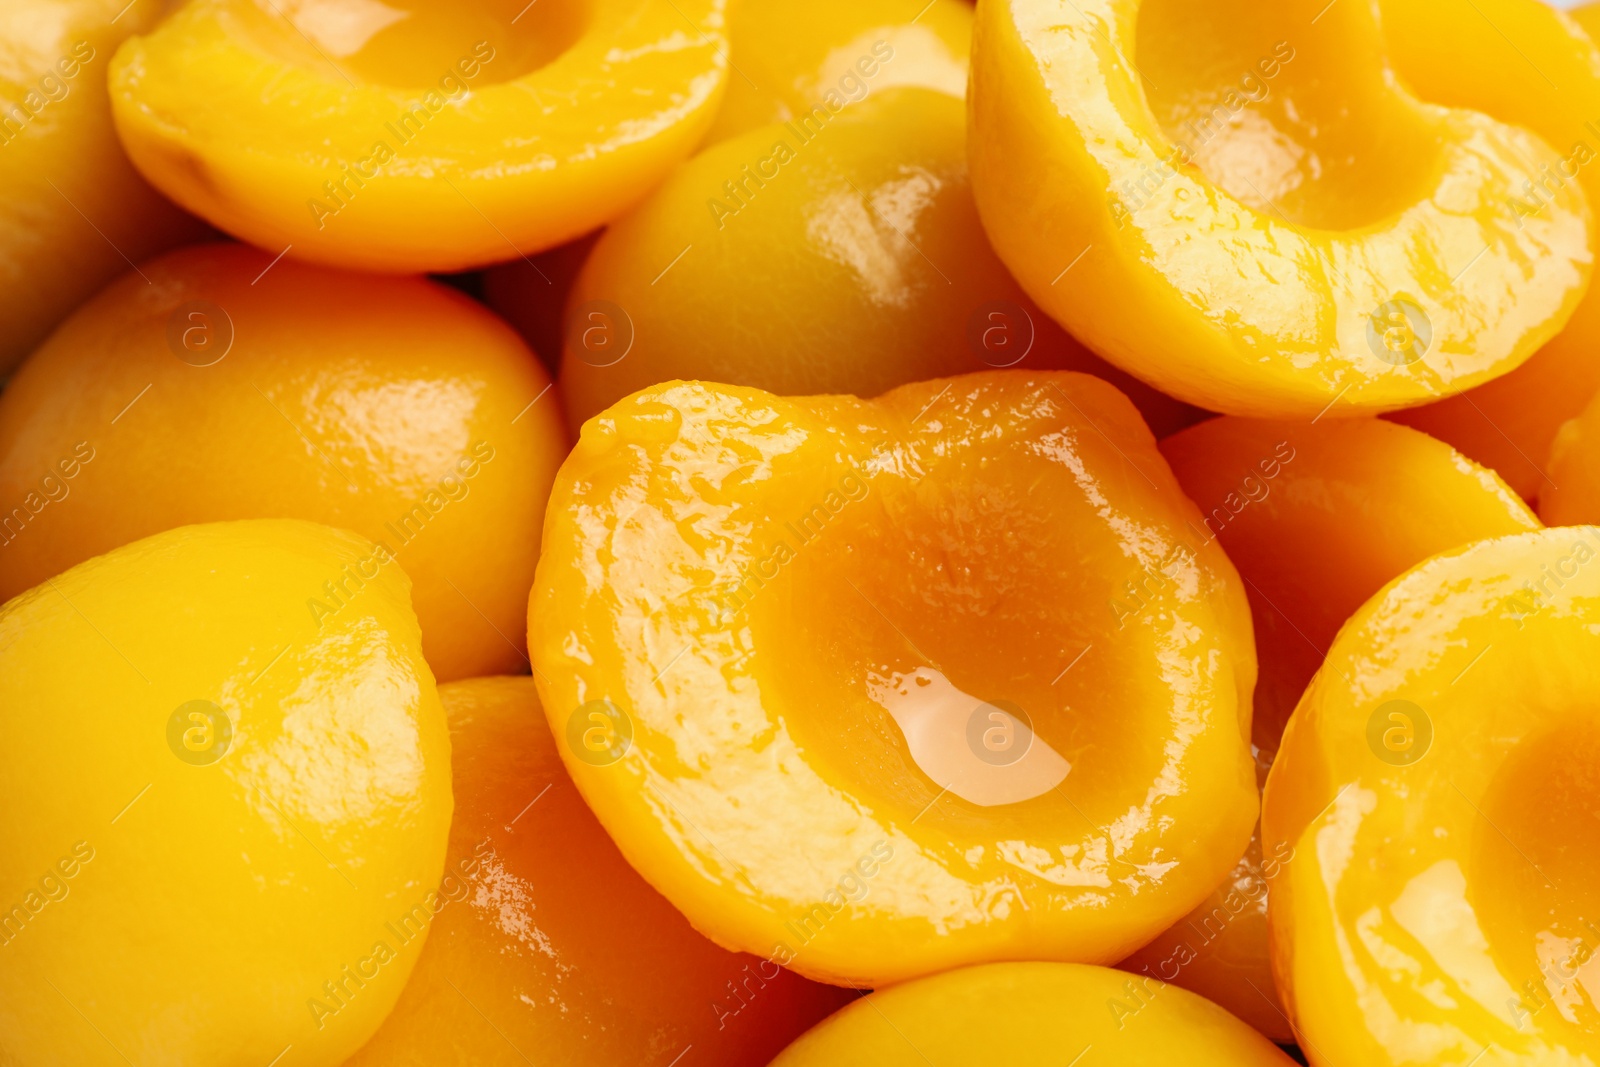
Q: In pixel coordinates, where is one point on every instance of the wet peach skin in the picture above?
(1437, 782)
(1031, 1015)
(824, 255)
(1317, 518)
(73, 211)
(1278, 257)
(545, 943)
(418, 135)
(252, 795)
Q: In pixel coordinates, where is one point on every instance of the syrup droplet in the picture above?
(984, 752)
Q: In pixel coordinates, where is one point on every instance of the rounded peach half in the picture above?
(543, 942)
(835, 253)
(73, 211)
(1243, 206)
(1319, 517)
(846, 681)
(1572, 495)
(418, 135)
(219, 385)
(1437, 786)
(1031, 1015)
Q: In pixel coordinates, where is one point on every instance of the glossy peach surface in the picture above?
(1547, 78)
(218, 811)
(218, 385)
(1320, 517)
(419, 134)
(1317, 518)
(71, 205)
(1437, 786)
(1032, 1015)
(824, 677)
(546, 944)
(789, 59)
(837, 256)
(1269, 223)
(1220, 949)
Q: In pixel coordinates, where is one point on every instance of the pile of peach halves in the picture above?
(881, 533)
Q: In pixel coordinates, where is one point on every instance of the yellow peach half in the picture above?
(420, 134)
(835, 253)
(1547, 78)
(1244, 206)
(220, 816)
(73, 212)
(789, 59)
(1032, 1015)
(847, 683)
(1437, 785)
(1317, 518)
(547, 944)
(220, 385)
